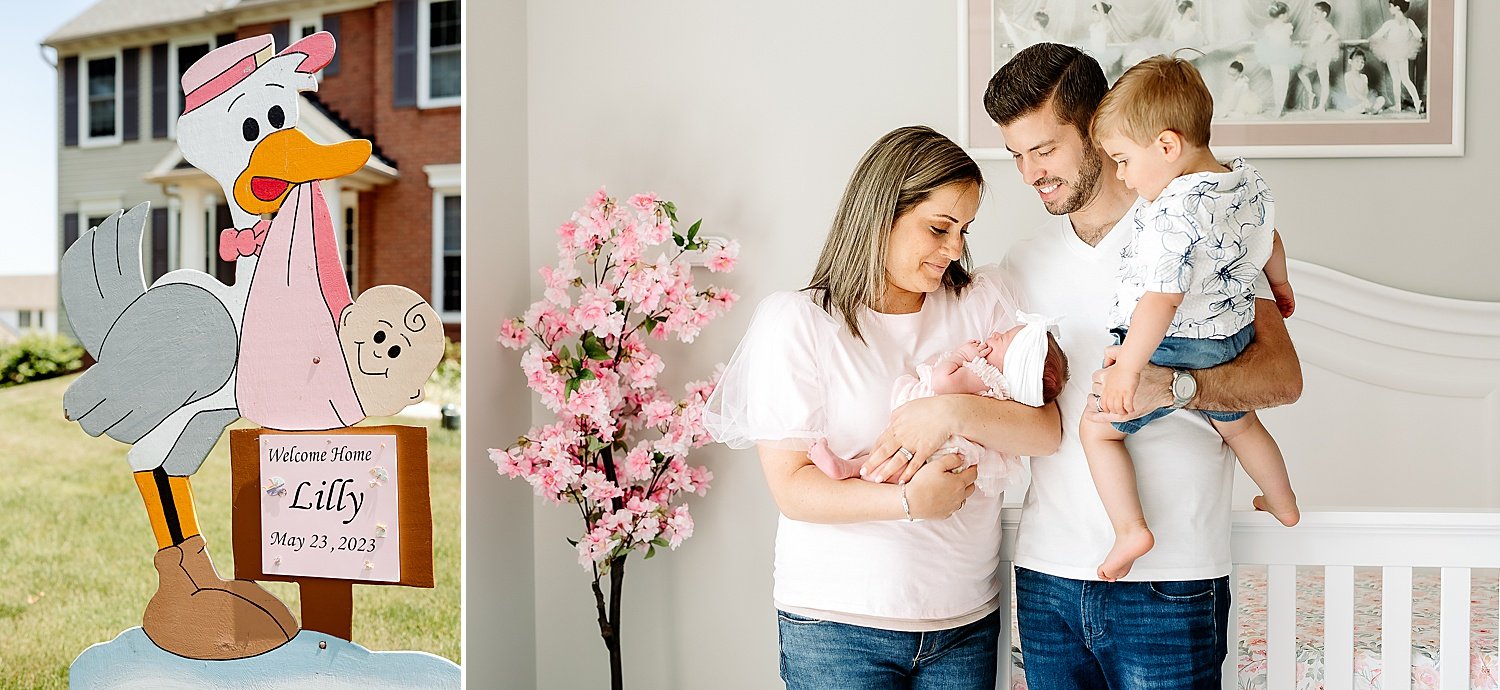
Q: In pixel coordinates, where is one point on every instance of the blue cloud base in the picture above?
(132, 661)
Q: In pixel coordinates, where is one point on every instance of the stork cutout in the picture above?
(284, 346)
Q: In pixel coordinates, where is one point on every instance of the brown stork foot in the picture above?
(199, 615)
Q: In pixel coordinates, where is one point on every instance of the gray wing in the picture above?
(101, 275)
(173, 345)
(196, 440)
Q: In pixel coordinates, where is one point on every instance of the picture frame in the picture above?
(1244, 61)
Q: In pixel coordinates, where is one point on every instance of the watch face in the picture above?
(1184, 386)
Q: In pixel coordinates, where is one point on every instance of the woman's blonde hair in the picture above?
(899, 171)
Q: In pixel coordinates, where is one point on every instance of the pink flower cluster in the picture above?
(620, 443)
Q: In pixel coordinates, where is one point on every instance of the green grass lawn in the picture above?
(76, 546)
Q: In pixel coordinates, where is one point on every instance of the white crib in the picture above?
(1401, 409)
(1337, 543)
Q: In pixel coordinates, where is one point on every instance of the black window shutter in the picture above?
(70, 230)
(161, 85)
(279, 33)
(70, 106)
(130, 101)
(331, 25)
(223, 270)
(405, 72)
(160, 245)
(225, 39)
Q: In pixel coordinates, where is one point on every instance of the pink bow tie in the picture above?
(234, 243)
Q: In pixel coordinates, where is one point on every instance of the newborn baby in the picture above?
(1024, 364)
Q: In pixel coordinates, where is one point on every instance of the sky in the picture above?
(28, 180)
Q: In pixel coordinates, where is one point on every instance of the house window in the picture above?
(446, 181)
(95, 210)
(23, 319)
(447, 232)
(439, 51)
(303, 26)
(184, 54)
(102, 105)
(101, 100)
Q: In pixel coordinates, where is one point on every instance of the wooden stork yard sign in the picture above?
(285, 346)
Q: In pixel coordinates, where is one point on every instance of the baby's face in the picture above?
(1000, 342)
(392, 342)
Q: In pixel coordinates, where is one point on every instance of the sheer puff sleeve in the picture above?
(991, 295)
(772, 392)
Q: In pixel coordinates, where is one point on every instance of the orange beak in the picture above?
(287, 158)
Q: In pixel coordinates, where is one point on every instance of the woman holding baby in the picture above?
(890, 576)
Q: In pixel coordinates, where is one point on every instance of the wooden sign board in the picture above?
(337, 480)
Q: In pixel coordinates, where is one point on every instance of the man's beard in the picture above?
(1083, 188)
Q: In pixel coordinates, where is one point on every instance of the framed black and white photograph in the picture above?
(1290, 78)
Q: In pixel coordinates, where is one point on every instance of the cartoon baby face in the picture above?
(392, 342)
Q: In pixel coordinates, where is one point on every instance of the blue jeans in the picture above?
(1122, 635)
(1189, 353)
(823, 655)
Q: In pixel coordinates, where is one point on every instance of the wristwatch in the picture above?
(1184, 387)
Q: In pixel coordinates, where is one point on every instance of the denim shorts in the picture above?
(1189, 353)
(824, 655)
(1122, 635)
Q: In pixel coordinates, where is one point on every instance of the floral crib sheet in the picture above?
(1426, 666)
(1250, 597)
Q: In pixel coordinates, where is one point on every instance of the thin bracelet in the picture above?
(905, 507)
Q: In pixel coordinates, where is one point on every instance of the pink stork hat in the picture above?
(227, 65)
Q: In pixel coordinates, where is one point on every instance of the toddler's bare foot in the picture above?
(1129, 545)
(1284, 510)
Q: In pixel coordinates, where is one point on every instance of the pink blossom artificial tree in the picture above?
(618, 448)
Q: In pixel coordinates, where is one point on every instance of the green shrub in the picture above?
(446, 381)
(38, 356)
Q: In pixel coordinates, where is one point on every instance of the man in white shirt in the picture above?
(1164, 625)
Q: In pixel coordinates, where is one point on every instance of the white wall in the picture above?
(751, 116)
(499, 646)
(10, 320)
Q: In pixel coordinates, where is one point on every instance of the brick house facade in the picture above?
(394, 81)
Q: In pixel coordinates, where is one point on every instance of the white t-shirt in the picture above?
(1184, 471)
(799, 375)
(1206, 236)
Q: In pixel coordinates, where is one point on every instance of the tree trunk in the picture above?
(609, 621)
(609, 625)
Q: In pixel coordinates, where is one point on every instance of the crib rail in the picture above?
(1338, 542)
(1396, 542)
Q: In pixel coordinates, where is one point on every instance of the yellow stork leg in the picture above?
(169, 502)
(196, 613)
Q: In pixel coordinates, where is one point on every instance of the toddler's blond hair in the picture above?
(1160, 93)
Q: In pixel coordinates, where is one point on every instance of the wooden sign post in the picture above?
(329, 509)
